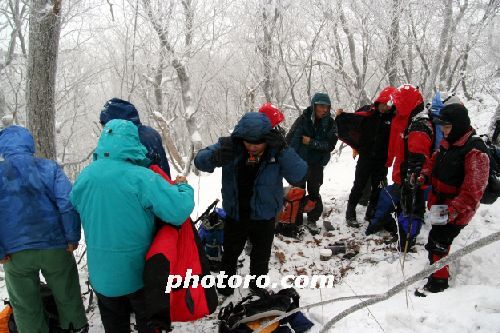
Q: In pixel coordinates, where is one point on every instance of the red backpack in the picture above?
(175, 250)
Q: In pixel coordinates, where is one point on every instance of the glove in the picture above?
(224, 154)
(415, 163)
(404, 225)
(276, 140)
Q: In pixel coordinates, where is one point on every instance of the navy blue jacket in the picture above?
(35, 211)
(267, 197)
(323, 134)
(149, 137)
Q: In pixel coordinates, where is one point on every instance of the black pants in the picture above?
(314, 180)
(366, 170)
(236, 233)
(115, 312)
(440, 239)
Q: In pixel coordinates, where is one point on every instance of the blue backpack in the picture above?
(435, 111)
(211, 232)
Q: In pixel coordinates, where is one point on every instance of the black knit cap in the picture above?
(457, 116)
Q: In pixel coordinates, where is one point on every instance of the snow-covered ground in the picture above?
(472, 303)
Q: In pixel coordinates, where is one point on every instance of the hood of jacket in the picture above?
(253, 126)
(16, 140)
(117, 108)
(120, 141)
(321, 99)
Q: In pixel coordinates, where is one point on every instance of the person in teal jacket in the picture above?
(118, 199)
(313, 136)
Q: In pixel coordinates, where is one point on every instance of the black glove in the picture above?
(224, 154)
(275, 139)
(415, 164)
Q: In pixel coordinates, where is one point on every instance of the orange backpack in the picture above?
(4, 319)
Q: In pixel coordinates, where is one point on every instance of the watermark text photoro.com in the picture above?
(221, 280)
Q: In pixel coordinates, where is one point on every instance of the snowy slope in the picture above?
(471, 304)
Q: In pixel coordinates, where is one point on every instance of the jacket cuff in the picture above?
(72, 226)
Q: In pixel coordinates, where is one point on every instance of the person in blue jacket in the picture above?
(39, 230)
(118, 199)
(116, 108)
(313, 136)
(254, 161)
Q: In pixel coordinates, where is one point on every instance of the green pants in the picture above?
(22, 277)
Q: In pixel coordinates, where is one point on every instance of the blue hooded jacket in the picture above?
(267, 196)
(116, 108)
(35, 211)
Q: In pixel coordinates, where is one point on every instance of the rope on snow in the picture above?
(373, 299)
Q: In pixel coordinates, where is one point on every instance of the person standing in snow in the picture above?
(458, 173)
(495, 137)
(367, 130)
(116, 108)
(254, 161)
(313, 136)
(39, 230)
(118, 198)
(410, 146)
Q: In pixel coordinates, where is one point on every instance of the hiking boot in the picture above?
(312, 227)
(436, 285)
(350, 216)
(373, 228)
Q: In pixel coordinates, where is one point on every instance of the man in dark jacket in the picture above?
(254, 161)
(370, 129)
(116, 108)
(313, 136)
(458, 173)
(39, 230)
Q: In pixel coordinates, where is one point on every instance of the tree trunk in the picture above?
(44, 31)
(438, 56)
(393, 44)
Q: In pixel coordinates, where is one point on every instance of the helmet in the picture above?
(273, 113)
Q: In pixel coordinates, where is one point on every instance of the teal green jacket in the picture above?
(117, 199)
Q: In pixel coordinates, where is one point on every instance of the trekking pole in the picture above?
(207, 211)
(414, 188)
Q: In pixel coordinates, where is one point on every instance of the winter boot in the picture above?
(312, 227)
(370, 212)
(350, 216)
(436, 285)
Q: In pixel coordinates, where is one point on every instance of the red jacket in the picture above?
(459, 175)
(174, 251)
(419, 140)
(407, 128)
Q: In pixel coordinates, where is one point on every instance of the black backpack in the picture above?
(492, 191)
(252, 309)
